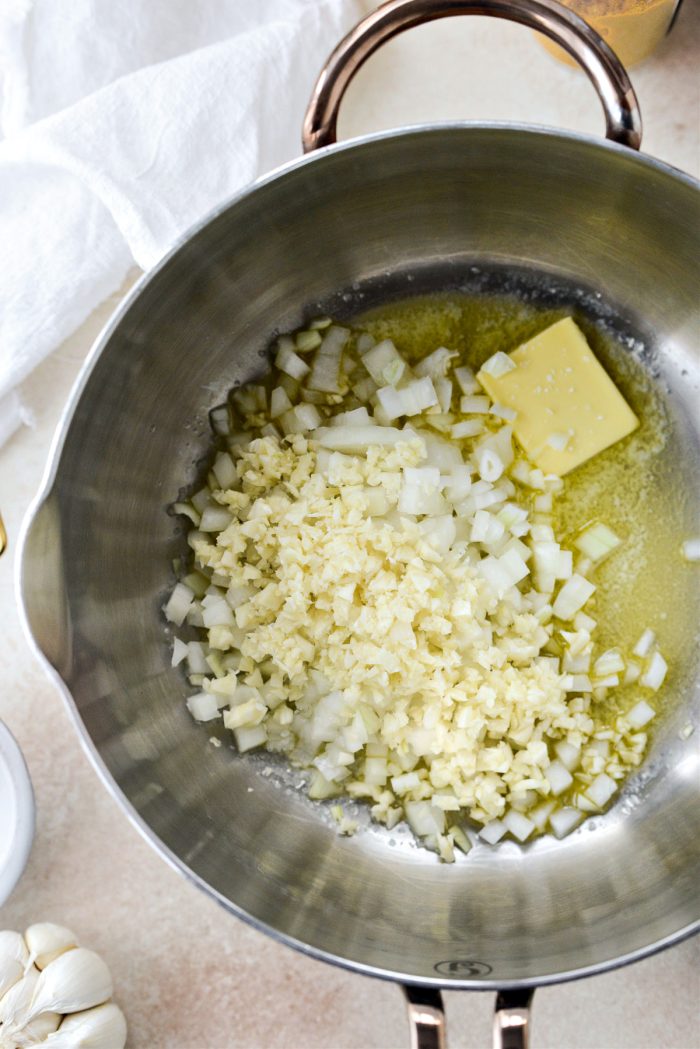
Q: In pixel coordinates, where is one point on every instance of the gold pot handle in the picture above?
(623, 122)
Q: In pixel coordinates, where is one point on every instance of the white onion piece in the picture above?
(474, 405)
(640, 714)
(215, 519)
(468, 428)
(563, 821)
(568, 755)
(645, 643)
(179, 604)
(653, 676)
(202, 706)
(601, 790)
(467, 380)
(436, 364)
(489, 464)
(279, 402)
(356, 417)
(499, 364)
(248, 738)
(493, 831)
(288, 361)
(179, 652)
(359, 438)
(597, 541)
(541, 813)
(572, 596)
(518, 825)
(424, 819)
(325, 369)
(385, 364)
(502, 411)
(559, 778)
(610, 662)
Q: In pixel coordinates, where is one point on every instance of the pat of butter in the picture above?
(568, 409)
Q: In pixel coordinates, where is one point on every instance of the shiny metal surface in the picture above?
(623, 122)
(382, 217)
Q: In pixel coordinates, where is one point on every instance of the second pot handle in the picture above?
(623, 122)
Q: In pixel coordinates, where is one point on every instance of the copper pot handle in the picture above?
(426, 1018)
(511, 1021)
(623, 122)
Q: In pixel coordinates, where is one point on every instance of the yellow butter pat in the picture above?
(567, 407)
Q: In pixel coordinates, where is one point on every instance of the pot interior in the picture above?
(552, 218)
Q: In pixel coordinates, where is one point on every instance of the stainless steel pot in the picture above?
(561, 215)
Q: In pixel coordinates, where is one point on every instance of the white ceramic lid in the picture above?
(16, 813)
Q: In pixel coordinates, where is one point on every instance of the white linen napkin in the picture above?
(123, 123)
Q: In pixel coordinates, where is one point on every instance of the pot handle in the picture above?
(426, 1017)
(511, 1021)
(623, 122)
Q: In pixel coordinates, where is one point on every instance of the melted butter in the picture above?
(634, 486)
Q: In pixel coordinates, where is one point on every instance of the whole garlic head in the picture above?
(54, 993)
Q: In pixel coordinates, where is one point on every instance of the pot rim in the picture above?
(49, 478)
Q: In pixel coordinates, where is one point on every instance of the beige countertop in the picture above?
(187, 975)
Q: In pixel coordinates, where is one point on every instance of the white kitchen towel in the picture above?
(123, 123)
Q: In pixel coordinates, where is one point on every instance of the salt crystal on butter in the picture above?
(558, 387)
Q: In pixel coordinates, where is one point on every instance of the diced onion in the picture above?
(563, 821)
(572, 596)
(474, 405)
(597, 541)
(435, 365)
(202, 706)
(645, 643)
(467, 380)
(290, 362)
(518, 825)
(640, 714)
(499, 364)
(493, 831)
(653, 676)
(178, 604)
(601, 790)
(559, 778)
(568, 755)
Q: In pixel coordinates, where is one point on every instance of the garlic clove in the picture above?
(13, 959)
(16, 1003)
(100, 1028)
(36, 1031)
(76, 980)
(12, 945)
(10, 972)
(46, 941)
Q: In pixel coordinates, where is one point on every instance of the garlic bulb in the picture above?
(55, 993)
(46, 941)
(101, 1028)
(74, 981)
